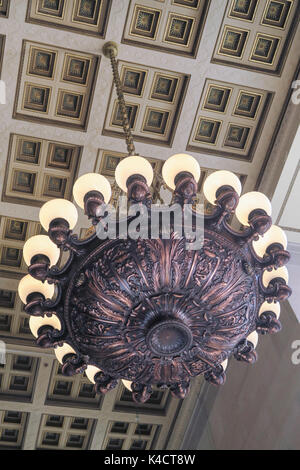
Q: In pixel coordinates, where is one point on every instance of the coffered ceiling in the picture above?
(210, 78)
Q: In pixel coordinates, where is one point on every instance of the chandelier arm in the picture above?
(277, 289)
(125, 122)
(275, 257)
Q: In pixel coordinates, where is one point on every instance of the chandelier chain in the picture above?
(118, 85)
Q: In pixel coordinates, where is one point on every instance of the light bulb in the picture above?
(127, 384)
(273, 235)
(58, 209)
(253, 338)
(280, 272)
(35, 323)
(218, 179)
(270, 307)
(61, 351)
(130, 166)
(249, 202)
(91, 371)
(179, 163)
(40, 245)
(91, 182)
(29, 284)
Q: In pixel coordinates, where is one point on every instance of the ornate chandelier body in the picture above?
(150, 311)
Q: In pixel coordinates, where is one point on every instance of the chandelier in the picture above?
(151, 311)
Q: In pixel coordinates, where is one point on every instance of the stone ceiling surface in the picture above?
(209, 78)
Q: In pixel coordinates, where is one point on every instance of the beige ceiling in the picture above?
(210, 78)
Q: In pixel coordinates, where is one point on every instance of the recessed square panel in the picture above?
(233, 41)
(236, 136)
(36, 97)
(155, 121)
(54, 186)
(145, 22)
(55, 85)
(15, 229)
(187, 3)
(243, 9)
(4, 8)
(207, 131)
(59, 156)
(51, 439)
(76, 69)
(264, 49)
(114, 444)
(164, 87)
(217, 98)
(133, 80)
(87, 11)
(23, 181)
(247, 104)
(28, 151)
(69, 104)
(276, 13)
(51, 7)
(109, 164)
(7, 298)
(131, 111)
(11, 257)
(55, 421)
(179, 29)
(41, 62)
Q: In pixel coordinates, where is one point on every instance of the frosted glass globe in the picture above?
(133, 165)
(40, 245)
(29, 284)
(273, 235)
(178, 163)
(58, 209)
(35, 323)
(270, 307)
(61, 351)
(224, 364)
(253, 338)
(280, 272)
(218, 179)
(91, 371)
(91, 182)
(127, 384)
(249, 202)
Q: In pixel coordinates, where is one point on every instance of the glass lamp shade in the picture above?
(28, 284)
(249, 202)
(35, 323)
(91, 182)
(58, 209)
(62, 351)
(127, 384)
(253, 338)
(177, 164)
(218, 179)
(273, 235)
(280, 272)
(270, 307)
(40, 245)
(130, 166)
(91, 371)
(224, 364)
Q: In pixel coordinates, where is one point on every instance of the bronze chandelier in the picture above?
(150, 311)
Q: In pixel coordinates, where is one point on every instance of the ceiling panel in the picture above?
(79, 16)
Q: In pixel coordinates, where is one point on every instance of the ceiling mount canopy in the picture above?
(156, 310)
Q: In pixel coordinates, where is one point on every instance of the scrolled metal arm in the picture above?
(268, 323)
(215, 375)
(245, 352)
